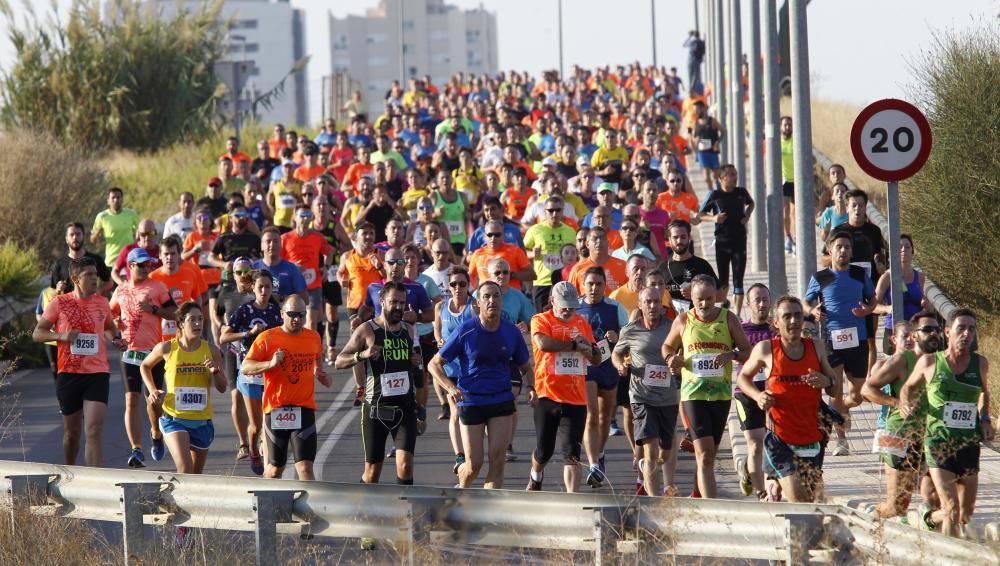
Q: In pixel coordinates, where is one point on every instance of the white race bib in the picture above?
(570, 363)
(703, 365)
(454, 227)
(844, 338)
(168, 327)
(253, 379)
(656, 376)
(286, 418)
(886, 443)
(287, 201)
(960, 415)
(605, 349)
(203, 259)
(134, 357)
(331, 274)
(681, 305)
(552, 261)
(309, 275)
(704, 145)
(84, 345)
(806, 450)
(760, 376)
(190, 398)
(395, 383)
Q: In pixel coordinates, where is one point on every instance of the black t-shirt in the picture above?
(677, 273)
(60, 270)
(231, 246)
(395, 189)
(380, 215)
(567, 170)
(866, 241)
(266, 164)
(449, 164)
(734, 205)
(216, 205)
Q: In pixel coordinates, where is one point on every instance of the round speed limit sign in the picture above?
(891, 140)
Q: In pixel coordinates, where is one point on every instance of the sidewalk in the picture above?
(856, 480)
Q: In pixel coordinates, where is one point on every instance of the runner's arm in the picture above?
(44, 333)
(155, 356)
(872, 389)
(984, 401)
(547, 343)
(909, 394)
(739, 338)
(884, 281)
(673, 342)
(760, 357)
(824, 365)
(218, 376)
(358, 343)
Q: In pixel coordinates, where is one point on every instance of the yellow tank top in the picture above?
(701, 378)
(285, 201)
(188, 382)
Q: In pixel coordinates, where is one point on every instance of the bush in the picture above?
(952, 207)
(45, 184)
(121, 78)
(18, 273)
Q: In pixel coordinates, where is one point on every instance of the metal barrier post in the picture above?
(31, 490)
(270, 508)
(803, 532)
(424, 513)
(137, 499)
(608, 529)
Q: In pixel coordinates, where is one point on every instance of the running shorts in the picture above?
(707, 418)
(652, 421)
(554, 419)
(472, 415)
(72, 389)
(302, 440)
(201, 433)
(379, 421)
(782, 460)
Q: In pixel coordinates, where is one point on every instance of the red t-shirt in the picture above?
(87, 354)
(305, 252)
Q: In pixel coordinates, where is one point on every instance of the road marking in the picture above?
(338, 429)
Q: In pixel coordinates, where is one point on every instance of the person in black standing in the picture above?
(729, 207)
(76, 249)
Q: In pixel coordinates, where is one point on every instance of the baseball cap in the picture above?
(139, 255)
(215, 182)
(582, 161)
(549, 161)
(564, 295)
(607, 187)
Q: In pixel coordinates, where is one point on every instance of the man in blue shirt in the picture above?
(493, 211)
(287, 277)
(841, 297)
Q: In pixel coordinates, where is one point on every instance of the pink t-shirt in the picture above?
(140, 329)
(87, 354)
(657, 220)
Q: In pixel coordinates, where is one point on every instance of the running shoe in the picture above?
(533, 485)
(243, 452)
(773, 491)
(421, 419)
(257, 465)
(367, 543)
(459, 460)
(695, 494)
(842, 448)
(180, 536)
(926, 524)
(595, 478)
(359, 396)
(445, 413)
(135, 458)
(391, 453)
(602, 464)
(686, 444)
(746, 485)
(789, 245)
(158, 450)
(670, 491)
(615, 429)
(640, 489)
(511, 455)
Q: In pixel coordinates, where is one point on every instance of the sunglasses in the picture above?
(440, 251)
(295, 314)
(204, 217)
(147, 234)
(144, 265)
(458, 284)
(425, 207)
(494, 234)
(929, 329)
(304, 215)
(501, 272)
(240, 215)
(628, 229)
(243, 272)
(395, 261)
(675, 181)
(553, 210)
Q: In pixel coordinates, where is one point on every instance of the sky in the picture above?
(859, 50)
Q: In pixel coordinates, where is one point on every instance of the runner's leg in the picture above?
(499, 428)
(93, 422)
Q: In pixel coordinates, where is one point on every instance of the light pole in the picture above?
(757, 234)
(237, 73)
(562, 71)
(805, 198)
(776, 278)
(652, 19)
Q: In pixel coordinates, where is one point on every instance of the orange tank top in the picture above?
(516, 202)
(362, 274)
(795, 414)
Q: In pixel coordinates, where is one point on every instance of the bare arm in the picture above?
(742, 352)
(670, 347)
(760, 357)
(881, 288)
(908, 395)
(218, 376)
(872, 389)
(154, 357)
(359, 347)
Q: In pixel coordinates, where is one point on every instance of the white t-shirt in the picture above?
(177, 225)
(440, 279)
(536, 212)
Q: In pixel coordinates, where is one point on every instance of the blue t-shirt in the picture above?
(511, 235)
(416, 297)
(517, 307)
(287, 276)
(831, 218)
(433, 291)
(839, 297)
(588, 150)
(616, 219)
(602, 317)
(485, 359)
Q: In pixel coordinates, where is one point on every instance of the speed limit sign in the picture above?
(891, 140)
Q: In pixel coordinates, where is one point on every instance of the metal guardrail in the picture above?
(607, 525)
(941, 302)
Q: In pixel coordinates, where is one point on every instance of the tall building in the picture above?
(429, 37)
(271, 34)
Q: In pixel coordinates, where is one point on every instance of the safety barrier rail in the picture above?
(607, 525)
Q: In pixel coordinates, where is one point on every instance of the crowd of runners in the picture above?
(512, 244)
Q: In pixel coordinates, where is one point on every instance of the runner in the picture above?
(243, 325)
(198, 246)
(145, 237)
(288, 278)
(496, 247)
(840, 297)
(116, 224)
(181, 224)
(912, 292)
(615, 271)
(682, 266)
(729, 208)
(359, 269)
(958, 419)
(788, 182)
(796, 372)
(707, 137)
(389, 348)
(76, 249)
(238, 242)
(309, 250)
(702, 344)
(752, 419)
(488, 348)
(451, 207)
(543, 243)
(563, 346)
(291, 359)
(652, 392)
(448, 316)
(325, 223)
(142, 306)
(80, 322)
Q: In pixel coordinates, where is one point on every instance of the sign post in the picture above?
(891, 141)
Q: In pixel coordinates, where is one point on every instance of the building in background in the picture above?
(271, 34)
(428, 38)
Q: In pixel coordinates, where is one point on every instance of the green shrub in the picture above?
(18, 273)
(952, 207)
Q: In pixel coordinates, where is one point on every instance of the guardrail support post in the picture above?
(423, 515)
(270, 508)
(803, 532)
(608, 529)
(31, 490)
(137, 499)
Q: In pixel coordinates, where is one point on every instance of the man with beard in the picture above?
(901, 440)
(61, 280)
(388, 348)
(682, 266)
(238, 242)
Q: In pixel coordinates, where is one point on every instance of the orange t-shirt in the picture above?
(614, 271)
(561, 376)
(480, 259)
(684, 206)
(237, 157)
(292, 383)
(184, 286)
(87, 354)
(306, 173)
(517, 201)
(305, 251)
(275, 147)
(140, 329)
(355, 172)
(212, 275)
(361, 273)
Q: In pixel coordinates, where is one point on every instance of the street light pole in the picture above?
(736, 80)
(757, 233)
(777, 281)
(562, 70)
(652, 19)
(805, 198)
(720, 72)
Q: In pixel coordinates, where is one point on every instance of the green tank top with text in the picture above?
(453, 216)
(701, 378)
(911, 429)
(952, 404)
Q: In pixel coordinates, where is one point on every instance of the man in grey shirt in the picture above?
(653, 392)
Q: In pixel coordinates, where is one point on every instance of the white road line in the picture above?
(338, 430)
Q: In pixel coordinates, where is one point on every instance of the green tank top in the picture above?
(952, 403)
(701, 379)
(453, 217)
(912, 428)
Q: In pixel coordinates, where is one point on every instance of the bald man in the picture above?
(145, 237)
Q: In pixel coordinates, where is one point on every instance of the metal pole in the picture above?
(758, 237)
(895, 262)
(697, 24)
(720, 72)
(322, 101)
(777, 281)
(562, 71)
(652, 20)
(402, 46)
(805, 199)
(736, 68)
(709, 38)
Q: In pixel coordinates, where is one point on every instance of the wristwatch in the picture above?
(155, 309)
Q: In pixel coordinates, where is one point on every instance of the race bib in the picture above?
(656, 376)
(552, 262)
(570, 363)
(309, 275)
(605, 349)
(253, 379)
(704, 365)
(844, 338)
(331, 274)
(286, 418)
(203, 259)
(704, 145)
(84, 345)
(395, 383)
(190, 398)
(805, 450)
(168, 327)
(960, 415)
(286, 201)
(134, 357)
(454, 227)
(886, 443)
(681, 305)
